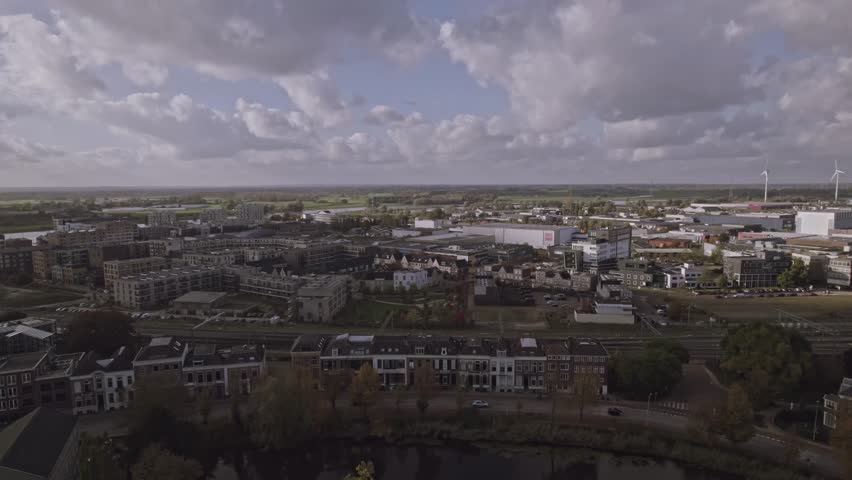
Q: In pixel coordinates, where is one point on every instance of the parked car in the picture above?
(614, 411)
(479, 404)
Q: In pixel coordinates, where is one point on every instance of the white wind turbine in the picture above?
(836, 178)
(765, 174)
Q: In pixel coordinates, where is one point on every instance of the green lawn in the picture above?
(30, 296)
(25, 228)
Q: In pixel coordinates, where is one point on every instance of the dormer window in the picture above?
(334, 352)
(419, 350)
(444, 351)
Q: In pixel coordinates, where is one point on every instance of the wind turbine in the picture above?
(765, 174)
(836, 178)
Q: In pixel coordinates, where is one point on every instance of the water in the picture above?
(333, 461)
(32, 236)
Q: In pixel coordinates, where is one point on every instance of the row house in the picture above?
(224, 371)
(559, 279)
(443, 263)
(102, 383)
(506, 273)
(491, 365)
(30, 380)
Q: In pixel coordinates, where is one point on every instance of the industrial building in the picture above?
(821, 222)
(536, 236)
(766, 221)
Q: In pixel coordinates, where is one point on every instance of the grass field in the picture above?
(32, 295)
(367, 313)
(827, 309)
(24, 228)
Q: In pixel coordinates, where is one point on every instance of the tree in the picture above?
(99, 459)
(364, 471)
(399, 394)
(671, 346)
(205, 404)
(738, 420)
(461, 397)
(795, 276)
(159, 464)
(283, 410)
(100, 330)
(705, 421)
(365, 387)
(425, 385)
(655, 370)
(781, 353)
(519, 407)
(155, 395)
(587, 387)
(841, 440)
(334, 383)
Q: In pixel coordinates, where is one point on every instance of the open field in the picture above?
(14, 297)
(24, 228)
(368, 313)
(829, 309)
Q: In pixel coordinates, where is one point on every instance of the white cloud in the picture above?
(382, 115)
(316, 95)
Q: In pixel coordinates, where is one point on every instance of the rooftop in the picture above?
(200, 297)
(22, 362)
(160, 348)
(31, 446)
(524, 226)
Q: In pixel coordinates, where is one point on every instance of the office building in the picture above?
(17, 259)
(821, 222)
(840, 272)
(158, 288)
(759, 271)
(115, 269)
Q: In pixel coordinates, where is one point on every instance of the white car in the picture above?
(479, 404)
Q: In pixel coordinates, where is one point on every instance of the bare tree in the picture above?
(587, 387)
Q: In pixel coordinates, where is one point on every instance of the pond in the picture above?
(334, 460)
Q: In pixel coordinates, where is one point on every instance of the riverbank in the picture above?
(530, 434)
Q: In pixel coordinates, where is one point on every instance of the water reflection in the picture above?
(334, 460)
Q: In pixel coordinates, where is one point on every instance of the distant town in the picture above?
(532, 297)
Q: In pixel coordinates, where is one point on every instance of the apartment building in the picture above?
(506, 273)
(224, 370)
(44, 261)
(152, 289)
(322, 297)
(250, 213)
(276, 285)
(162, 218)
(18, 259)
(220, 257)
(419, 279)
(759, 271)
(638, 273)
(102, 383)
(215, 216)
(480, 364)
(115, 269)
(106, 233)
(837, 405)
(30, 380)
(559, 279)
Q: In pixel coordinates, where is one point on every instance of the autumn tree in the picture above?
(705, 421)
(364, 471)
(461, 397)
(770, 359)
(283, 410)
(99, 459)
(586, 390)
(841, 440)
(425, 386)
(365, 387)
(738, 420)
(159, 464)
(334, 383)
(103, 331)
(205, 404)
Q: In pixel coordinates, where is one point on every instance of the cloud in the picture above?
(242, 39)
(382, 115)
(316, 95)
(16, 150)
(563, 61)
(38, 71)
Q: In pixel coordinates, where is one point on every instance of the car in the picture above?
(614, 411)
(479, 404)
(547, 297)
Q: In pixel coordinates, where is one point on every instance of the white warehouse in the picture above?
(536, 236)
(821, 222)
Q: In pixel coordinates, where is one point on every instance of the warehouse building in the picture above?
(821, 222)
(536, 236)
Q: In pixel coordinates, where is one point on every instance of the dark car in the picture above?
(614, 411)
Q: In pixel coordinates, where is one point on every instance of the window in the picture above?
(188, 378)
(13, 404)
(129, 380)
(111, 398)
(26, 378)
(2, 405)
(254, 372)
(12, 380)
(119, 382)
(78, 387)
(109, 382)
(156, 368)
(209, 376)
(199, 378)
(12, 392)
(419, 350)
(443, 351)
(218, 375)
(551, 367)
(334, 352)
(2, 381)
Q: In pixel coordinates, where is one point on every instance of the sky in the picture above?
(295, 92)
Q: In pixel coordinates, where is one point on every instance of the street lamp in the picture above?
(648, 409)
(816, 415)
